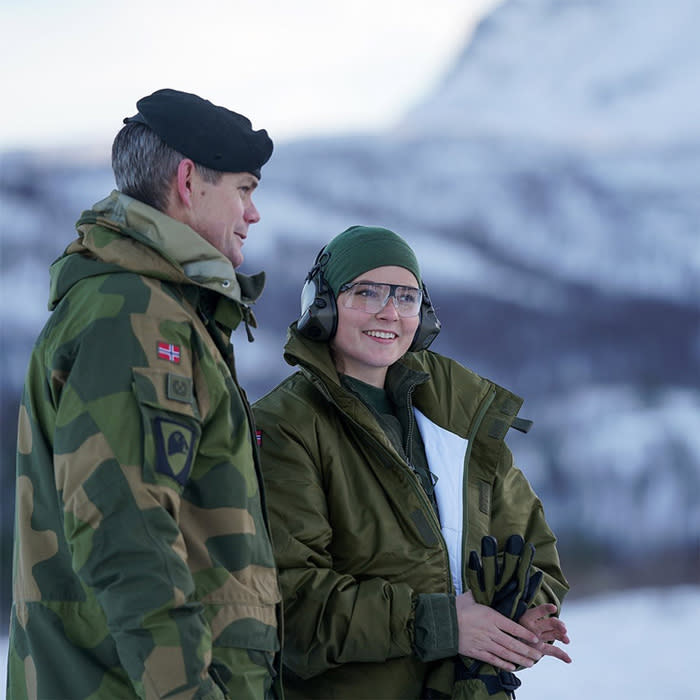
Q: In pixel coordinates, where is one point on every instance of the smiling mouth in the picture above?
(384, 335)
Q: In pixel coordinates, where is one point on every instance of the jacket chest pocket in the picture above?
(171, 425)
(480, 504)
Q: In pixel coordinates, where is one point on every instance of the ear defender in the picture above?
(429, 325)
(319, 314)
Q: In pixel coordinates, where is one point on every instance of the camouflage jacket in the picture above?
(143, 565)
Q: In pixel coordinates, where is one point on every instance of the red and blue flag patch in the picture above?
(168, 351)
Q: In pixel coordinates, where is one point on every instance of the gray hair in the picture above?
(144, 165)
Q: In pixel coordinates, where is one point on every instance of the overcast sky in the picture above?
(73, 69)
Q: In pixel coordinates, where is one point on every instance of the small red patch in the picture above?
(258, 437)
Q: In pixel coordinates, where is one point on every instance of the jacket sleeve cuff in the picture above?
(435, 627)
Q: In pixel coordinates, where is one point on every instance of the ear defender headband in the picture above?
(319, 310)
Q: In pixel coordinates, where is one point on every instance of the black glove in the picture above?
(508, 585)
(480, 681)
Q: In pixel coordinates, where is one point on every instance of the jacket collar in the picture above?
(449, 394)
(181, 254)
(316, 358)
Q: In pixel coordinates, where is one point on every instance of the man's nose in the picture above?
(252, 215)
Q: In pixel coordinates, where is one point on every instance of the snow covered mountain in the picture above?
(549, 187)
(592, 74)
(584, 92)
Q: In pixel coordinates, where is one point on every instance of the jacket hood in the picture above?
(300, 350)
(121, 234)
(453, 410)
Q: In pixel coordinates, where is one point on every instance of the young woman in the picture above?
(385, 466)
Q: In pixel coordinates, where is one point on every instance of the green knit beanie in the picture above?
(362, 248)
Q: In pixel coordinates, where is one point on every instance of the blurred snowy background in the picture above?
(547, 175)
(637, 645)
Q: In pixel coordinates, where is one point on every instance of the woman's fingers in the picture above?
(488, 636)
(549, 629)
(556, 652)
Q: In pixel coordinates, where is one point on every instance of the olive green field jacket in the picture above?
(356, 539)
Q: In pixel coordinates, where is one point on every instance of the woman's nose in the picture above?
(390, 308)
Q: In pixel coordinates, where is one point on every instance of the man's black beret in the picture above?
(212, 136)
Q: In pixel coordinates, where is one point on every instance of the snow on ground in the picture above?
(634, 644)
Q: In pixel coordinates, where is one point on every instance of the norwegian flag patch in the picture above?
(168, 351)
(258, 437)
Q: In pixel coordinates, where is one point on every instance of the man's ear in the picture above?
(184, 182)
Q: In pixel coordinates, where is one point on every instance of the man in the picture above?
(143, 565)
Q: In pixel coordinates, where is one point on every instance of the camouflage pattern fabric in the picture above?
(143, 565)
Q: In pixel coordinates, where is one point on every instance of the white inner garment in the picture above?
(446, 452)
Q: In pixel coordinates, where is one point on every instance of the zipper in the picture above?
(409, 457)
(409, 444)
(476, 424)
(216, 678)
(414, 480)
(418, 487)
(225, 348)
(409, 437)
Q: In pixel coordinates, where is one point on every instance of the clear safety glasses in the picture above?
(372, 297)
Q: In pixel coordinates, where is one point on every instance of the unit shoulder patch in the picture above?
(175, 442)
